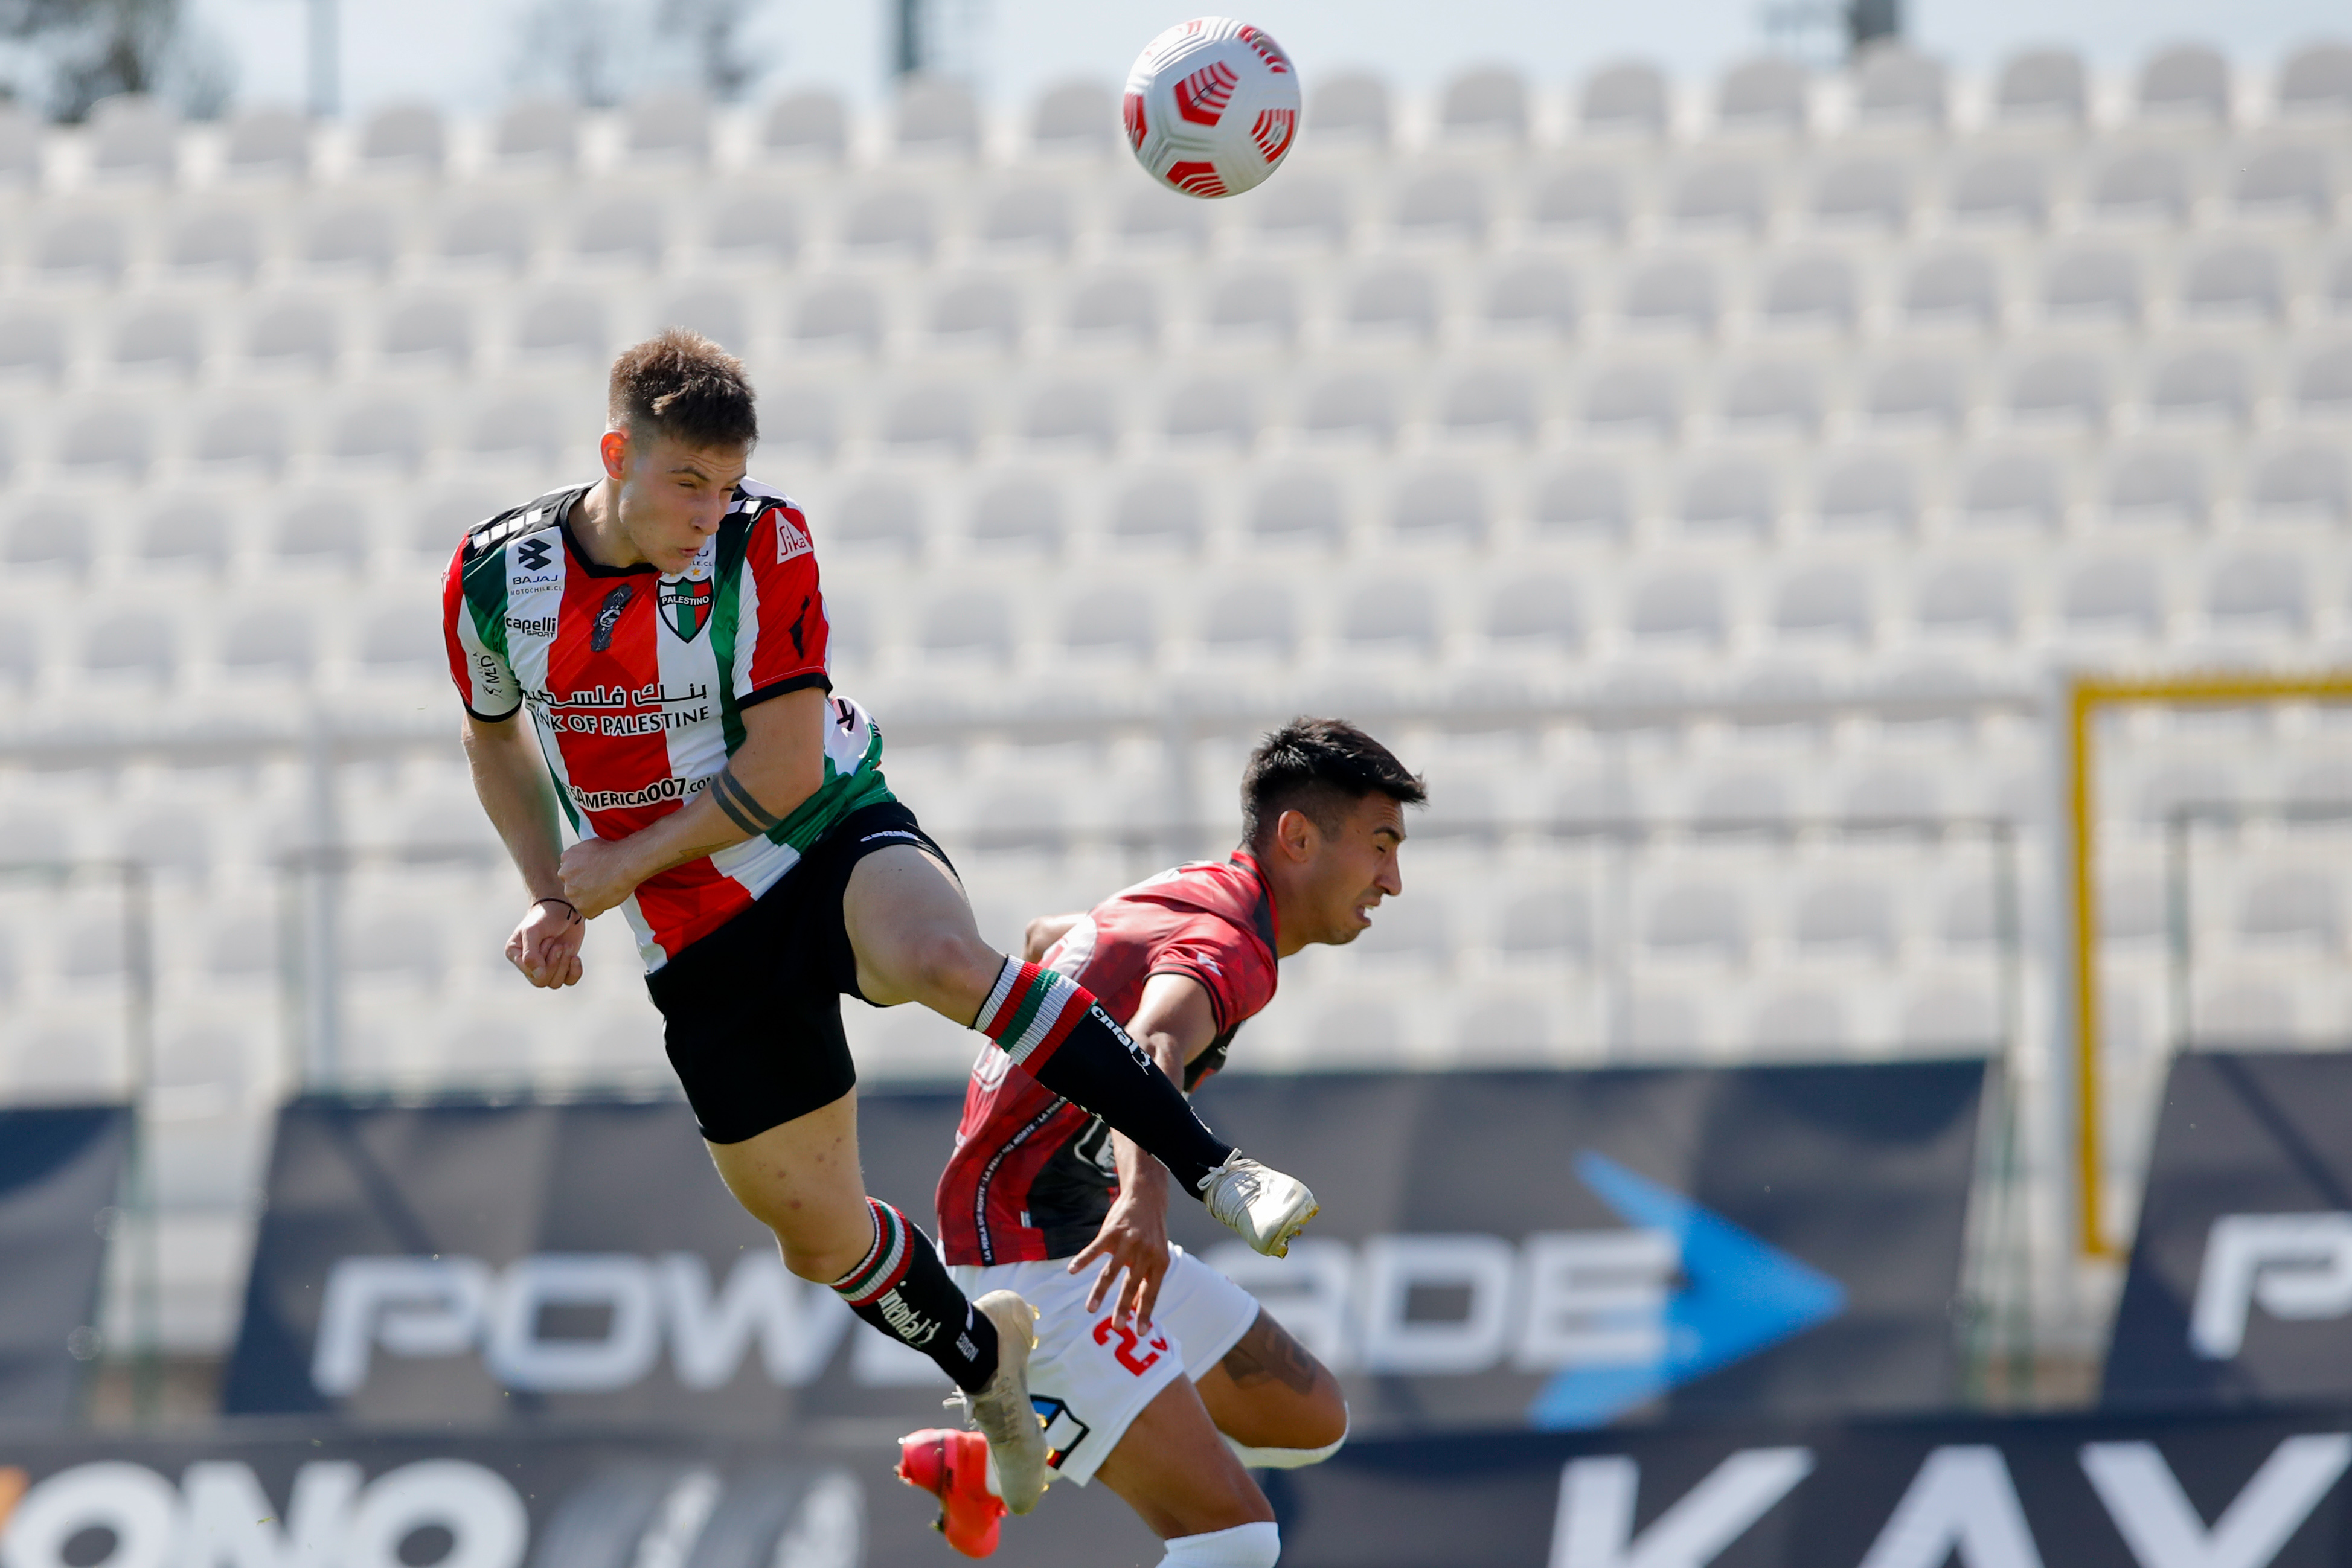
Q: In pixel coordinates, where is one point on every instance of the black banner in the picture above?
(2212, 1491)
(1496, 1249)
(60, 1169)
(2241, 1283)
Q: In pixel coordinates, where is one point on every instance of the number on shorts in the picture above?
(1127, 1340)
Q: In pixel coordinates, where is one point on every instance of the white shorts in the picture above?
(1091, 1378)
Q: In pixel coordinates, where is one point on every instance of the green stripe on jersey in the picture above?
(726, 618)
(486, 597)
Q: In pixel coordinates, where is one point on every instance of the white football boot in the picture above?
(1016, 1438)
(1264, 1206)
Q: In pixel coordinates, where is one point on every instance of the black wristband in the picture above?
(568, 905)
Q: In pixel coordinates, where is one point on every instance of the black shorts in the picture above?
(752, 1013)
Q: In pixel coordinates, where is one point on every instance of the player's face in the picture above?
(673, 496)
(1350, 871)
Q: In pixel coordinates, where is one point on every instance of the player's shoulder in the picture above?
(756, 504)
(495, 533)
(1228, 894)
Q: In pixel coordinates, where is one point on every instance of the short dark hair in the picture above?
(1321, 767)
(686, 387)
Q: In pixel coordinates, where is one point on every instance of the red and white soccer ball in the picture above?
(1211, 107)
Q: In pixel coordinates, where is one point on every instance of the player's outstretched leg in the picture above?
(801, 1180)
(912, 932)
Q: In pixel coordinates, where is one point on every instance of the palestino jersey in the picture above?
(1032, 1176)
(636, 685)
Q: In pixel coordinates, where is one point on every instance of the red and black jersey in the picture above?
(1032, 1176)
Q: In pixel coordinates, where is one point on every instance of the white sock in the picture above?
(1283, 1458)
(1244, 1546)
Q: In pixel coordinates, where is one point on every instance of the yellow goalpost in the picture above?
(2085, 696)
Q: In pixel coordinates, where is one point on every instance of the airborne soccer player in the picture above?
(664, 627)
(1184, 1378)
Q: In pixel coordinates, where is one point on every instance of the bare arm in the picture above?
(780, 764)
(1043, 933)
(510, 781)
(1174, 1024)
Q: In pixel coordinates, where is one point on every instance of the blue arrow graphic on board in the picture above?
(1739, 1295)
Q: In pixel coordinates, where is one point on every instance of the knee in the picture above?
(1257, 1545)
(953, 964)
(1326, 1419)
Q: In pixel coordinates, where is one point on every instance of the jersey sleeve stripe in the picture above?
(801, 682)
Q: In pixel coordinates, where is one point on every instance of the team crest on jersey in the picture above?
(685, 605)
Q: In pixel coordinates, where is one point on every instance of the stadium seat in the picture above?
(972, 623)
(1916, 390)
(1253, 305)
(2290, 179)
(109, 437)
(1585, 498)
(219, 241)
(620, 230)
(1769, 93)
(328, 531)
(1252, 616)
(1316, 213)
(435, 326)
(1073, 413)
(522, 426)
(401, 134)
(1954, 284)
(294, 333)
(563, 323)
(2323, 383)
(2253, 586)
(1447, 505)
(1697, 917)
(889, 223)
(1157, 219)
(1032, 218)
(2114, 589)
(2143, 184)
(2001, 188)
(669, 125)
(1815, 290)
(1967, 597)
(266, 143)
(1350, 110)
(2063, 389)
(758, 229)
(2338, 286)
(936, 115)
(1952, 1017)
(1539, 610)
(244, 433)
(2091, 282)
(134, 137)
(1018, 514)
(88, 245)
(1589, 202)
(1773, 393)
(932, 414)
(402, 639)
(2187, 82)
(538, 131)
(1858, 192)
(2293, 905)
(2043, 85)
(20, 147)
(2307, 480)
(1211, 408)
(2156, 484)
(49, 538)
(1677, 292)
(33, 342)
(842, 314)
(2012, 488)
(1159, 510)
(1546, 922)
(1297, 507)
(268, 645)
(2317, 79)
(1487, 103)
(184, 534)
(1113, 306)
(1110, 621)
(1730, 494)
(1893, 86)
(1823, 601)
(1848, 914)
(160, 338)
(1489, 402)
(981, 309)
(20, 665)
(1446, 204)
(1398, 611)
(2238, 279)
(1867, 489)
(138, 646)
(1074, 117)
(1678, 604)
(811, 124)
(797, 417)
(1728, 196)
(717, 312)
(2201, 383)
(1634, 399)
(1396, 299)
(1627, 98)
(489, 235)
(380, 431)
(1532, 296)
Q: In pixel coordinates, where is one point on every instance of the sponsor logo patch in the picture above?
(790, 542)
(531, 555)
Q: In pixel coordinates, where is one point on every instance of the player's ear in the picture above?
(1295, 833)
(615, 449)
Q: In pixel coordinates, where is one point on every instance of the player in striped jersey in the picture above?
(1149, 1395)
(665, 629)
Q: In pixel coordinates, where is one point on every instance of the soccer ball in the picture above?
(1211, 106)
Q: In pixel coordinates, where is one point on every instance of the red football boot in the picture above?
(954, 1467)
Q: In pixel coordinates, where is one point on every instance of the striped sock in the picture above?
(1056, 1032)
(901, 1287)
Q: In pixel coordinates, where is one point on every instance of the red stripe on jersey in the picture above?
(604, 642)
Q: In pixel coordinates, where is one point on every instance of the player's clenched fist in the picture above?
(546, 946)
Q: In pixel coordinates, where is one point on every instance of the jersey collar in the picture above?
(1262, 917)
(580, 556)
